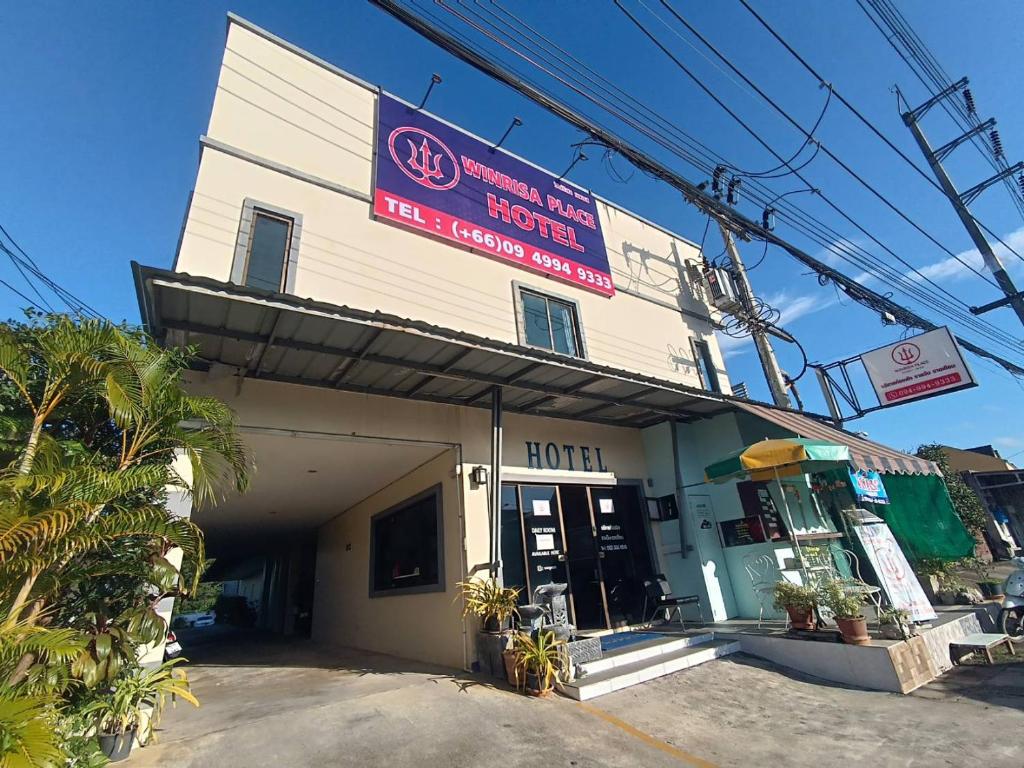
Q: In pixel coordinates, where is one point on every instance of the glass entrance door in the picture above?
(581, 553)
(592, 538)
(623, 553)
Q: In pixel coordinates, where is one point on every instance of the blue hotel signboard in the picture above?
(441, 181)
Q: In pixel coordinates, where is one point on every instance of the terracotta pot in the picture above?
(801, 618)
(511, 672)
(533, 686)
(855, 631)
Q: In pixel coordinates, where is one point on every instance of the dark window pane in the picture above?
(535, 318)
(563, 328)
(268, 253)
(706, 367)
(512, 542)
(405, 547)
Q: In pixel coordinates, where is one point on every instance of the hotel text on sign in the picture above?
(436, 179)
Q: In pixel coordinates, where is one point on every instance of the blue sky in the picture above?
(104, 104)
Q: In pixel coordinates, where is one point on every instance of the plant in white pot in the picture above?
(135, 703)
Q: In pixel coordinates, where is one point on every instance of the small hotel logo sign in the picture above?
(906, 354)
(565, 456)
(424, 158)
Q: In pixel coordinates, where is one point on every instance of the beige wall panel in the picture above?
(425, 626)
(347, 258)
(275, 104)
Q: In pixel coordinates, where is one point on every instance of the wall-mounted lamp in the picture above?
(479, 475)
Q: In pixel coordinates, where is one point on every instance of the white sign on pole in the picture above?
(921, 366)
(894, 573)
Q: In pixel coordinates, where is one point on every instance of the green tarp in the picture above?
(922, 518)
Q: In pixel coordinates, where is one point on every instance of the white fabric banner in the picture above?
(894, 573)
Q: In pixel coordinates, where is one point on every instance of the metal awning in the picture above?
(864, 454)
(278, 337)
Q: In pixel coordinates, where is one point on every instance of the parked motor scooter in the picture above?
(1011, 614)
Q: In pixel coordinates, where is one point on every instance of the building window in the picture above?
(551, 323)
(267, 249)
(705, 365)
(406, 547)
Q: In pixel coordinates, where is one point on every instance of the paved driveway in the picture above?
(272, 703)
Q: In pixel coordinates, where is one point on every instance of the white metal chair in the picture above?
(763, 572)
(873, 594)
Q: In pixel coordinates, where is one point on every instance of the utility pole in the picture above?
(772, 373)
(960, 201)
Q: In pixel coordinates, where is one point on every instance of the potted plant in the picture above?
(495, 606)
(990, 587)
(894, 624)
(798, 601)
(845, 603)
(121, 713)
(541, 661)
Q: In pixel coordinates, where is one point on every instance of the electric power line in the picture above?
(963, 316)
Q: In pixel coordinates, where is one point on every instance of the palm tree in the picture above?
(56, 504)
(92, 418)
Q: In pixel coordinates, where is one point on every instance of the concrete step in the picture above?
(648, 649)
(620, 677)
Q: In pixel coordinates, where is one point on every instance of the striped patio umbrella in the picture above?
(771, 459)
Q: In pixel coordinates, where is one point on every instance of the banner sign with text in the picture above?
(867, 486)
(924, 365)
(894, 573)
(441, 181)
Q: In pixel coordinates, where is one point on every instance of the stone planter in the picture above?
(584, 649)
(489, 647)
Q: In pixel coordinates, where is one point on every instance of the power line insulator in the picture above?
(997, 143)
(716, 181)
(969, 101)
(768, 217)
(1020, 184)
(733, 194)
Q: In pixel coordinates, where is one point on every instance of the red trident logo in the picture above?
(428, 159)
(423, 164)
(906, 354)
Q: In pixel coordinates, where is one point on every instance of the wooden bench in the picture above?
(979, 641)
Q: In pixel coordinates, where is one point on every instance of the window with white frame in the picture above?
(551, 323)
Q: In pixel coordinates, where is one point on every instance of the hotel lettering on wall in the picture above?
(564, 456)
(443, 182)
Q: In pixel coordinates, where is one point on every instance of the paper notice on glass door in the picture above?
(541, 507)
(545, 541)
(607, 506)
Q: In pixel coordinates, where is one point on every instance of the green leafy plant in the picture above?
(543, 659)
(486, 599)
(95, 424)
(895, 616)
(120, 710)
(944, 572)
(965, 502)
(796, 596)
(842, 602)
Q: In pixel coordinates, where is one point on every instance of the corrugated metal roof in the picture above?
(279, 337)
(283, 338)
(864, 454)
